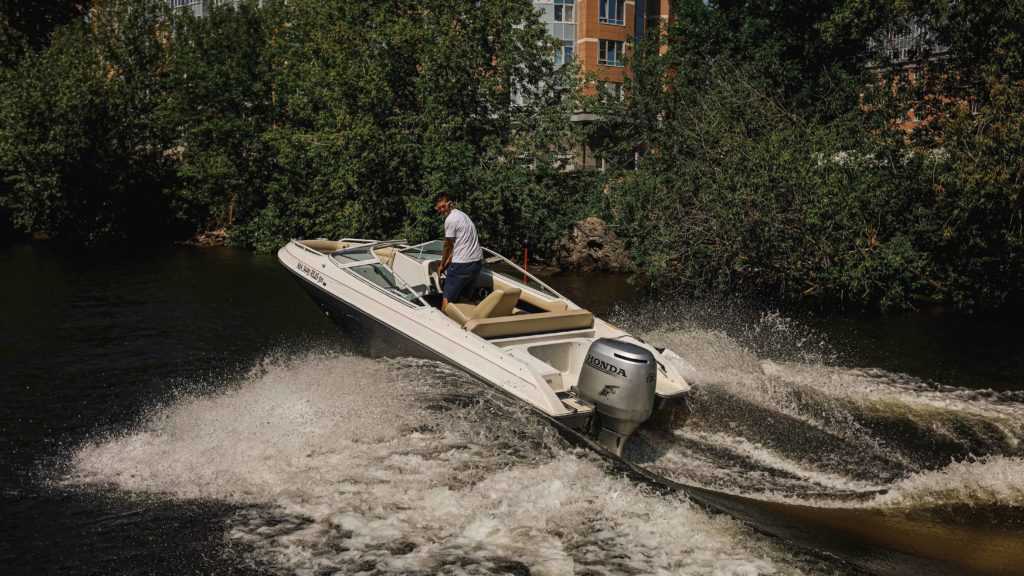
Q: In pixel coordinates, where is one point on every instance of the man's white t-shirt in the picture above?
(467, 247)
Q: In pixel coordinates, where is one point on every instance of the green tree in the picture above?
(83, 154)
(965, 91)
(379, 106)
(775, 164)
(29, 25)
(219, 104)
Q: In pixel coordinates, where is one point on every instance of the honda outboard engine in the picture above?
(619, 379)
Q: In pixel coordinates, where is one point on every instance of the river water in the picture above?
(190, 411)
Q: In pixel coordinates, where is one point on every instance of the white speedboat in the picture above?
(516, 334)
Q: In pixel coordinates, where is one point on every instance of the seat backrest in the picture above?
(459, 312)
(497, 303)
(484, 308)
(507, 303)
(532, 299)
(526, 324)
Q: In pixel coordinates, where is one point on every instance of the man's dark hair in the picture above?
(442, 196)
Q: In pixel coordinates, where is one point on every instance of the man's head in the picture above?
(443, 204)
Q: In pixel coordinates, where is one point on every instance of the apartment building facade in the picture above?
(198, 7)
(597, 33)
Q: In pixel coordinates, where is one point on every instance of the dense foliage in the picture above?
(762, 146)
(778, 163)
(299, 118)
(379, 107)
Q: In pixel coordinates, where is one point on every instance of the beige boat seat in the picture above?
(497, 303)
(533, 299)
(325, 246)
(386, 255)
(526, 324)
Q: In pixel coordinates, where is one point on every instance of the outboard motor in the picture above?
(619, 379)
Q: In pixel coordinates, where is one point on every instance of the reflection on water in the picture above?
(598, 292)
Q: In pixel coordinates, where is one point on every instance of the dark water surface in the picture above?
(88, 341)
(116, 352)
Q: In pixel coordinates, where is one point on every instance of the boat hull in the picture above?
(379, 325)
(368, 334)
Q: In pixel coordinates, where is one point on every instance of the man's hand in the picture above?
(446, 256)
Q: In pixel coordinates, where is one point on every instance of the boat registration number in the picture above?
(313, 274)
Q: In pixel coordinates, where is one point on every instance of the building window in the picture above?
(612, 89)
(613, 12)
(564, 11)
(564, 54)
(609, 52)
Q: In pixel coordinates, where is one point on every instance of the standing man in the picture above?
(462, 257)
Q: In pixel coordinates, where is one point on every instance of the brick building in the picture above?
(597, 33)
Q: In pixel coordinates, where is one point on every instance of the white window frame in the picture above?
(602, 53)
(565, 6)
(608, 7)
(566, 52)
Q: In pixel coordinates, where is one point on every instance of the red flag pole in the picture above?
(526, 259)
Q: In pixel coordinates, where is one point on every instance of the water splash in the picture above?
(988, 481)
(347, 464)
(798, 427)
(352, 465)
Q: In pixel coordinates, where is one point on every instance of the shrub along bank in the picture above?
(298, 118)
(757, 148)
(776, 165)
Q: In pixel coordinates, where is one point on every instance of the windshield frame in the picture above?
(368, 247)
(551, 291)
(416, 251)
(416, 302)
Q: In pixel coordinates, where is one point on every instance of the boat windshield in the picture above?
(432, 250)
(494, 262)
(363, 263)
(379, 275)
(503, 267)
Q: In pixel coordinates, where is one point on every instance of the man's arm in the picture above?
(446, 257)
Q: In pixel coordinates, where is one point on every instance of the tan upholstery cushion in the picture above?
(325, 245)
(533, 299)
(505, 306)
(487, 305)
(544, 304)
(497, 303)
(525, 324)
(386, 255)
(459, 312)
